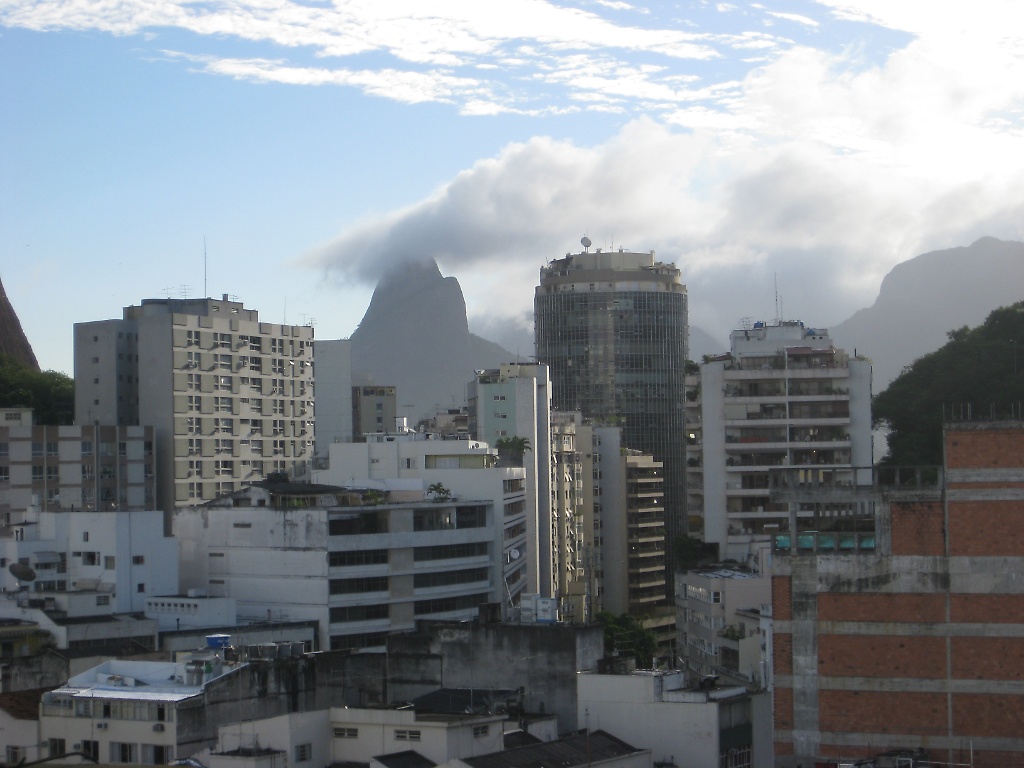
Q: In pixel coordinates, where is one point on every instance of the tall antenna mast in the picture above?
(778, 318)
(206, 292)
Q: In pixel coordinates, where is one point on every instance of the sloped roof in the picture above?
(564, 753)
(406, 759)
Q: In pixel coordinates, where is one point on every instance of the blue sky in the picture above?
(312, 145)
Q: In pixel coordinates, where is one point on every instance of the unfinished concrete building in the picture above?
(909, 633)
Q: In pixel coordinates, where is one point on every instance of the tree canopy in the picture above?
(50, 394)
(626, 635)
(978, 373)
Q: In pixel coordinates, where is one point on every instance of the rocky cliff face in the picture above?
(415, 336)
(13, 342)
(925, 297)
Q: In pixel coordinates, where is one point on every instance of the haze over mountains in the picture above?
(923, 298)
(415, 335)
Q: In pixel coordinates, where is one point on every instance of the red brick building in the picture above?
(911, 635)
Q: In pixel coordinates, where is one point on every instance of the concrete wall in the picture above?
(543, 660)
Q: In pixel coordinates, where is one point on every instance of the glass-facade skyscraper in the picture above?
(612, 328)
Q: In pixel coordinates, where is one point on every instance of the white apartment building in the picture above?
(82, 467)
(230, 398)
(333, 404)
(406, 463)
(363, 563)
(117, 558)
(514, 401)
(784, 396)
(716, 631)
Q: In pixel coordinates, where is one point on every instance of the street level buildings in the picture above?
(229, 397)
(612, 328)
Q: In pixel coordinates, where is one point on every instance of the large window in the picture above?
(360, 523)
(357, 557)
(355, 586)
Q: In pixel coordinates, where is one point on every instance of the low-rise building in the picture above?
(716, 633)
(363, 563)
(695, 727)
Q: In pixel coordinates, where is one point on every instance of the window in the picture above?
(192, 338)
(221, 383)
(5, 473)
(481, 730)
(102, 599)
(355, 586)
(92, 749)
(15, 754)
(56, 747)
(109, 562)
(194, 425)
(223, 445)
(122, 448)
(138, 560)
(303, 753)
(86, 447)
(195, 467)
(402, 734)
(222, 404)
(224, 467)
(51, 473)
(122, 753)
(51, 448)
(85, 536)
(222, 361)
(140, 587)
(222, 340)
(346, 733)
(359, 613)
(193, 381)
(37, 449)
(195, 446)
(195, 402)
(357, 557)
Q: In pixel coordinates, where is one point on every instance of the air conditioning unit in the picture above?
(102, 726)
(158, 727)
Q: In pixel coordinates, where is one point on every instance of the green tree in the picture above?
(50, 395)
(626, 635)
(978, 373)
(514, 447)
(439, 492)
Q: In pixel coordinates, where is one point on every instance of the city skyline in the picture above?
(286, 153)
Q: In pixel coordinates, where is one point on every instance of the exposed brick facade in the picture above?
(882, 656)
(921, 643)
(917, 529)
(884, 607)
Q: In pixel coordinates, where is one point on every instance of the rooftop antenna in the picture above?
(778, 317)
(206, 291)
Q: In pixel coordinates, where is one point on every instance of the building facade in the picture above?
(514, 401)
(83, 467)
(910, 634)
(783, 397)
(364, 563)
(230, 398)
(374, 409)
(612, 328)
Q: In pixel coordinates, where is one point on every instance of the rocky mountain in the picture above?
(415, 336)
(13, 342)
(924, 298)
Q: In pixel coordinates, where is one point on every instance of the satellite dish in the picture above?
(22, 571)
(586, 241)
(514, 553)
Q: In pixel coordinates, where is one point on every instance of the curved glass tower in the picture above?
(612, 327)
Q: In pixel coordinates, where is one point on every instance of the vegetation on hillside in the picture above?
(978, 373)
(51, 395)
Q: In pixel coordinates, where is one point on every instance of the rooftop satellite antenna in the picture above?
(22, 571)
(585, 241)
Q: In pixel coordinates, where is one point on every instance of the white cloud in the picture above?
(823, 170)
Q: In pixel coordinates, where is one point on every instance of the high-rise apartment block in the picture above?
(512, 404)
(230, 398)
(612, 327)
(784, 396)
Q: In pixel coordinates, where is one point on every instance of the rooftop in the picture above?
(579, 749)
